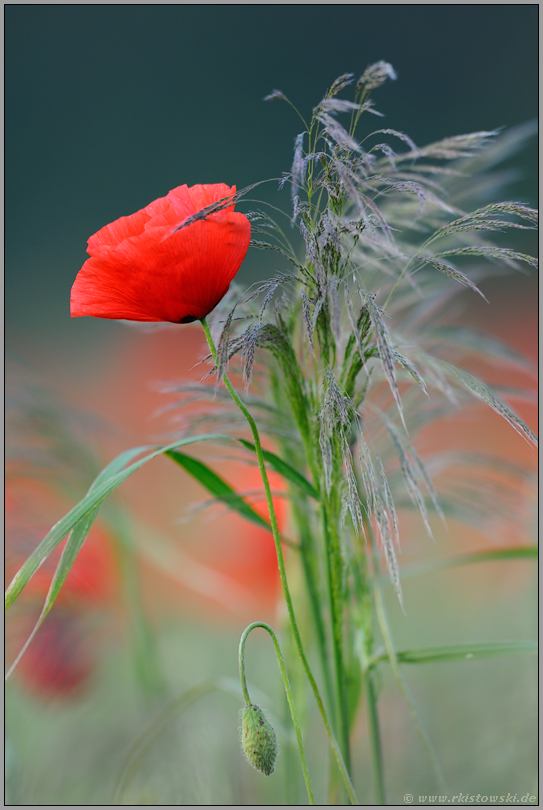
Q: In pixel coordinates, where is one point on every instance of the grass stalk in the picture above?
(309, 556)
(375, 741)
(282, 571)
(288, 692)
(336, 614)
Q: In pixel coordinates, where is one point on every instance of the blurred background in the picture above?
(108, 108)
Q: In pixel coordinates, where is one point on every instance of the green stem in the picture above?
(282, 572)
(309, 556)
(404, 271)
(288, 692)
(332, 555)
(384, 626)
(375, 740)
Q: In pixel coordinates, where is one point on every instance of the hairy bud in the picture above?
(258, 739)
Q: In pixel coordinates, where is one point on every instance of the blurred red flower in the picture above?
(60, 660)
(143, 269)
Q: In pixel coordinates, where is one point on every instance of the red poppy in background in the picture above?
(60, 662)
(142, 268)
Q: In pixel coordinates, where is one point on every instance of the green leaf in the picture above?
(117, 465)
(74, 544)
(116, 473)
(284, 469)
(511, 553)
(217, 486)
(106, 482)
(71, 550)
(460, 652)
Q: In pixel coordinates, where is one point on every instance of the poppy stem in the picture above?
(282, 571)
(288, 691)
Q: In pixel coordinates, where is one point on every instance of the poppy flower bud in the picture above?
(258, 739)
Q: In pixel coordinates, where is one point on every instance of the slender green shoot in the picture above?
(288, 691)
(282, 571)
(375, 741)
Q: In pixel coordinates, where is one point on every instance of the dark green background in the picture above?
(109, 107)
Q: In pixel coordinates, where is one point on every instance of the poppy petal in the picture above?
(111, 235)
(142, 269)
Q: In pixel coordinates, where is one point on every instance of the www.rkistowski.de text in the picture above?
(471, 798)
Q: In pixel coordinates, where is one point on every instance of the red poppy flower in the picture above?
(60, 661)
(143, 269)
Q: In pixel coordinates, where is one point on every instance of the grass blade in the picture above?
(460, 652)
(217, 486)
(280, 466)
(70, 552)
(106, 482)
(512, 553)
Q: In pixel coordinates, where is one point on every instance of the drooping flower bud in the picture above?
(258, 739)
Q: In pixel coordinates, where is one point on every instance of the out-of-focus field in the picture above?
(109, 106)
(125, 640)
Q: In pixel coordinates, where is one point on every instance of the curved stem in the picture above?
(281, 563)
(288, 691)
(375, 738)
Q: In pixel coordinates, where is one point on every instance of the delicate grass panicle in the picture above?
(346, 355)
